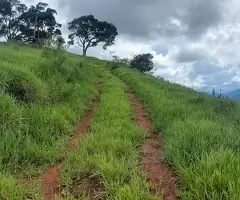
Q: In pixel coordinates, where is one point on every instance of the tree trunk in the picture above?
(84, 51)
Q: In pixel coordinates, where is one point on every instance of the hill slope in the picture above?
(201, 135)
(236, 98)
(42, 94)
(233, 93)
(44, 97)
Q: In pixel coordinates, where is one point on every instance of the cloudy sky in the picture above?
(194, 42)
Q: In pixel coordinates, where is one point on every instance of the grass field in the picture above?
(201, 135)
(43, 93)
(108, 153)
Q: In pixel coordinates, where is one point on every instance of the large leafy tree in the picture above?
(142, 62)
(87, 32)
(10, 12)
(38, 23)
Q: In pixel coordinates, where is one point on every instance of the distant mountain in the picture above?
(233, 93)
(236, 98)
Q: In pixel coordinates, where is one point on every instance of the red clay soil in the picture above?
(83, 126)
(162, 180)
(51, 179)
(51, 183)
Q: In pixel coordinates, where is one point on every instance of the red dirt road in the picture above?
(162, 180)
(51, 179)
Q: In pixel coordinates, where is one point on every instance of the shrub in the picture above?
(142, 62)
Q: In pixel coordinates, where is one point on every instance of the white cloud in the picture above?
(202, 37)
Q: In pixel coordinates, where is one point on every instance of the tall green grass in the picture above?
(42, 94)
(109, 151)
(201, 135)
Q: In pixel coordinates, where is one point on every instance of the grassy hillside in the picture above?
(43, 93)
(108, 153)
(201, 135)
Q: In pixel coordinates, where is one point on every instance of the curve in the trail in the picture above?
(51, 179)
(162, 180)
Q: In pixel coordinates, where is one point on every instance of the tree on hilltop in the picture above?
(142, 62)
(87, 31)
(39, 23)
(18, 22)
(10, 12)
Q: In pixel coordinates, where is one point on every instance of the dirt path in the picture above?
(51, 179)
(162, 180)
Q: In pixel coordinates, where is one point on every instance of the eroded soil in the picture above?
(51, 179)
(162, 180)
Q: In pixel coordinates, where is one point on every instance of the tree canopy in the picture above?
(87, 31)
(39, 23)
(10, 11)
(17, 22)
(142, 62)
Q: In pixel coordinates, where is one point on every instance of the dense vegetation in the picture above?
(108, 152)
(44, 92)
(201, 135)
(87, 31)
(37, 25)
(142, 62)
(30, 25)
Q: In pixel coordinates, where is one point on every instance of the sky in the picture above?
(194, 42)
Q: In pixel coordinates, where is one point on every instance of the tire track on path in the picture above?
(163, 182)
(51, 179)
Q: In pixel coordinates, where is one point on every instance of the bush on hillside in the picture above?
(142, 62)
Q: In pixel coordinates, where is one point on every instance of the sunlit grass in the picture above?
(201, 135)
(42, 94)
(110, 151)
